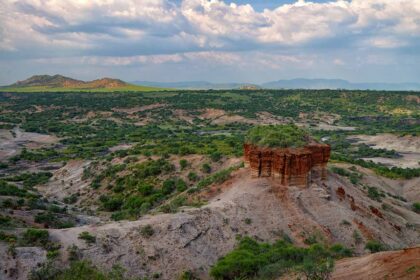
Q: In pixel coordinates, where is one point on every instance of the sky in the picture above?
(211, 40)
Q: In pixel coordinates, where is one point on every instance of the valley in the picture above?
(154, 183)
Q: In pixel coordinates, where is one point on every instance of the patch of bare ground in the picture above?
(137, 109)
(407, 146)
(404, 144)
(414, 98)
(402, 264)
(183, 115)
(13, 141)
(67, 181)
(218, 116)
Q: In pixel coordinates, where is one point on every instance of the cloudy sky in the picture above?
(214, 40)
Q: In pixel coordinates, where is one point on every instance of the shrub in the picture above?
(145, 189)
(206, 168)
(168, 186)
(248, 221)
(374, 194)
(357, 237)
(147, 231)
(253, 260)
(416, 207)
(374, 246)
(192, 176)
(181, 185)
(112, 204)
(215, 156)
(71, 199)
(87, 237)
(35, 237)
(183, 163)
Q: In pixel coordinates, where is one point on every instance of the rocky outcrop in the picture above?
(291, 166)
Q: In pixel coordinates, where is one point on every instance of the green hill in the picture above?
(59, 83)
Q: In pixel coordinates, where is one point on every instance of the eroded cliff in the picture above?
(291, 166)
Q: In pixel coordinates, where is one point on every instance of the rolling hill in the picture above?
(59, 83)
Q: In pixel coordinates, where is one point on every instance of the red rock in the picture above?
(291, 166)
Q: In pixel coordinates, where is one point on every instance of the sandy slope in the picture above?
(195, 238)
(402, 264)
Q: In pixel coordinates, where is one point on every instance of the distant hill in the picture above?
(285, 84)
(337, 84)
(199, 85)
(62, 83)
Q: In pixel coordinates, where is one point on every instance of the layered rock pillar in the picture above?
(291, 166)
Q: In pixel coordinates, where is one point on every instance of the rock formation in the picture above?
(291, 166)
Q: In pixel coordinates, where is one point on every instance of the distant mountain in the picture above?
(62, 83)
(337, 84)
(199, 85)
(285, 84)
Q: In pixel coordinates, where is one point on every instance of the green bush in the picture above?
(416, 207)
(147, 231)
(86, 236)
(374, 194)
(253, 260)
(192, 176)
(206, 168)
(183, 163)
(35, 237)
(181, 185)
(375, 246)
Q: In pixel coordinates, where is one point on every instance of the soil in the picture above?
(194, 238)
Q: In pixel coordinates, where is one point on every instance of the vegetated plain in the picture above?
(75, 159)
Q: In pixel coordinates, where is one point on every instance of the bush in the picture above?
(374, 194)
(112, 204)
(35, 237)
(374, 246)
(71, 199)
(147, 231)
(215, 156)
(168, 186)
(181, 185)
(253, 260)
(206, 168)
(192, 176)
(416, 207)
(86, 236)
(183, 163)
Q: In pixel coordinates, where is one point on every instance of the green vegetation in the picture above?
(35, 237)
(281, 136)
(253, 260)
(87, 237)
(78, 270)
(160, 129)
(375, 246)
(147, 231)
(374, 194)
(416, 207)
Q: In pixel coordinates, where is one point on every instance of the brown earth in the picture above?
(392, 265)
(194, 238)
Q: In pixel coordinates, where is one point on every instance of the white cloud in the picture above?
(205, 24)
(214, 32)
